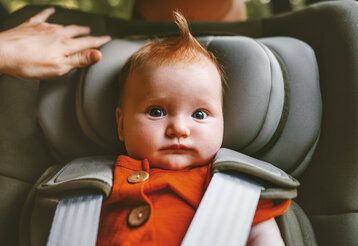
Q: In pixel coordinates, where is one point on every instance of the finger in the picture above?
(42, 16)
(72, 31)
(79, 44)
(84, 58)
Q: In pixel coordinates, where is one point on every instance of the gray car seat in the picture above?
(272, 111)
(72, 125)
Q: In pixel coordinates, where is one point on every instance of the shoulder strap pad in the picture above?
(277, 184)
(94, 172)
(91, 175)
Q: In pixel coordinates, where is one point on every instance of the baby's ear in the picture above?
(119, 120)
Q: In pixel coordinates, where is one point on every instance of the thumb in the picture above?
(84, 58)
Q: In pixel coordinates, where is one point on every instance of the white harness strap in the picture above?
(225, 214)
(76, 221)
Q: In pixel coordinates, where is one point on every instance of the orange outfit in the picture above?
(172, 196)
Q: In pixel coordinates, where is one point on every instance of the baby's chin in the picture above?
(175, 162)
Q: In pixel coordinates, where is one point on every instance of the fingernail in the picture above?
(95, 55)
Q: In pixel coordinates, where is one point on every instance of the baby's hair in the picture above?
(184, 48)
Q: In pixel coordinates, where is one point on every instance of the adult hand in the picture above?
(39, 50)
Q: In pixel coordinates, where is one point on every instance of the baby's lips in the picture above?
(177, 147)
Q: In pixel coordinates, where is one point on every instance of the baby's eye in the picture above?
(156, 112)
(199, 114)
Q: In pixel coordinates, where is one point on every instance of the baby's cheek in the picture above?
(138, 149)
(213, 141)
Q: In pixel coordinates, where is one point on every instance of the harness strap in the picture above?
(76, 221)
(225, 214)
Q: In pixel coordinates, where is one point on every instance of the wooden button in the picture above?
(138, 177)
(138, 216)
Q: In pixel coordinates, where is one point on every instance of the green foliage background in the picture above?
(123, 8)
(115, 8)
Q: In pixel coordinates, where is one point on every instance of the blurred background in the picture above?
(123, 8)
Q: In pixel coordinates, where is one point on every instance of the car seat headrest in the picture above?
(272, 106)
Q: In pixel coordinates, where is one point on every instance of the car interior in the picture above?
(291, 101)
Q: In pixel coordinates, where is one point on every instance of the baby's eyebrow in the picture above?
(199, 102)
(155, 98)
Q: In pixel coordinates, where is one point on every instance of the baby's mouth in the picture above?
(179, 147)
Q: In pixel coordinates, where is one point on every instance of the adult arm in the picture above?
(40, 50)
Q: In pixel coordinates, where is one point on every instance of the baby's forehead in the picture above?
(170, 73)
(188, 65)
(175, 79)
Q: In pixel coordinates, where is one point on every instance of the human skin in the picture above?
(172, 114)
(40, 50)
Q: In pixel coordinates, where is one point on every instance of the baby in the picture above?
(170, 117)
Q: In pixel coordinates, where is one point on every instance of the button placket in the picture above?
(139, 215)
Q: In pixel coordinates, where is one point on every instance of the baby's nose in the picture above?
(178, 129)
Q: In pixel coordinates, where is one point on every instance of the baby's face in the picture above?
(172, 114)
